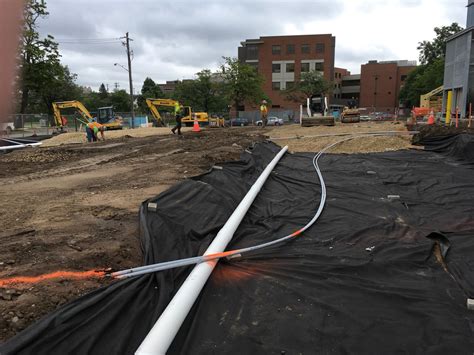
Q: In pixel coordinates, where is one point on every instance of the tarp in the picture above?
(365, 279)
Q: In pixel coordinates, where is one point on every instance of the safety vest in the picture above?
(263, 109)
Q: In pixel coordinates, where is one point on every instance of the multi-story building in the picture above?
(282, 59)
(380, 84)
(346, 87)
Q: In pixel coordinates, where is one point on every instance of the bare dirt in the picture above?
(74, 206)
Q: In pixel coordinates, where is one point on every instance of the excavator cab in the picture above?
(106, 117)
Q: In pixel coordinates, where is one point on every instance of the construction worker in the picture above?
(179, 116)
(92, 131)
(264, 113)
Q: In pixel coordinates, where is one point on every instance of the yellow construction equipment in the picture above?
(188, 114)
(57, 106)
(105, 115)
(432, 100)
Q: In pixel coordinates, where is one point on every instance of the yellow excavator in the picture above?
(188, 114)
(105, 115)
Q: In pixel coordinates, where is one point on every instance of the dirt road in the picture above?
(75, 206)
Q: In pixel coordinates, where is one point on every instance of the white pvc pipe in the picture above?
(166, 327)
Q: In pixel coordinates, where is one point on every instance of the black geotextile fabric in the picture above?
(458, 146)
(363, 280)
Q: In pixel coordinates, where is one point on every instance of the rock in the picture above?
(15, 319)
(10, 262)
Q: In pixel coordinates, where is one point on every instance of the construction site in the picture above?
(320, 227)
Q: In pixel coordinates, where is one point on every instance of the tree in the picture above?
(103, 93)
(120, 100)
(430, 51)
(202, 94)
(149, 90)
(242, 83)
(39, 57)
(430, 74)
(420, 81)
(311, 83)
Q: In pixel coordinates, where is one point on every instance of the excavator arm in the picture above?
(154, 103)
(57, 106)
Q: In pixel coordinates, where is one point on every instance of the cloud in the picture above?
(175, 39)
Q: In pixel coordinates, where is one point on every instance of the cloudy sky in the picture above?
(175, 39)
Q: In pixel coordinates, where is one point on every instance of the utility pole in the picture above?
(130, 78)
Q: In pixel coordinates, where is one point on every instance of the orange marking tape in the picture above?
(51, 276)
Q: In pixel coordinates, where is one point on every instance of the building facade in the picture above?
(282, 59)
(380, 84)
(458, 68)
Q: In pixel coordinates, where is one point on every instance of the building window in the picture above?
(389, 78)
(275, 85)
(335, 76)
(276, 68)
(275, 106)
(290, 49)
(304, 67)
(253, 65)
(403, 77)
(252, 51)
(290, 84)
(320, 47)
(276, 49)
(305, 48)
(319, 66)
(290, 67)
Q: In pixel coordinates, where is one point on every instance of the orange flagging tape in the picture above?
(51, 276)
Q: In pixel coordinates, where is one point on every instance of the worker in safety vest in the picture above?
(92, 131)
(179, 117)
(263, 113)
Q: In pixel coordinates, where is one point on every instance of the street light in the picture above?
(120, 65)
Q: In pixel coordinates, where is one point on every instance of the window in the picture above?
(275, 106)
(290, 84)
(403, 77)
(305, 48)
(252, 51)
(290, 67)
(290, 49)
(276, 68)
(320, 47)
(319, 66)
(276, 49)
(335, 76)
(275, 85)
(389, 78)
(304, 67)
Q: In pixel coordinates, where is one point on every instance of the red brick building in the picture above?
(380, 84)
(282, 59)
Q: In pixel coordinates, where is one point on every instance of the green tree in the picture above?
(120, 100)
(202, 94)
(311, 83)
(103, 93)
(420, 81)
(242, 83)
(430, 51)
(149, 90)
(39, 57)
(430, 74)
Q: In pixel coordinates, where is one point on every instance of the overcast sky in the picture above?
(176, 39)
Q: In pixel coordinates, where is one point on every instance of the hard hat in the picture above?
(264, 101)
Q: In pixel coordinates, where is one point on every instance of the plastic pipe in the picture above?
(165, 329)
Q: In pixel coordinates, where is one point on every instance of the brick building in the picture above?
(282, 59)
(380, 84)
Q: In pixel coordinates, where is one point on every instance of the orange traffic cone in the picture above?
(196, 127)
(431, 119)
